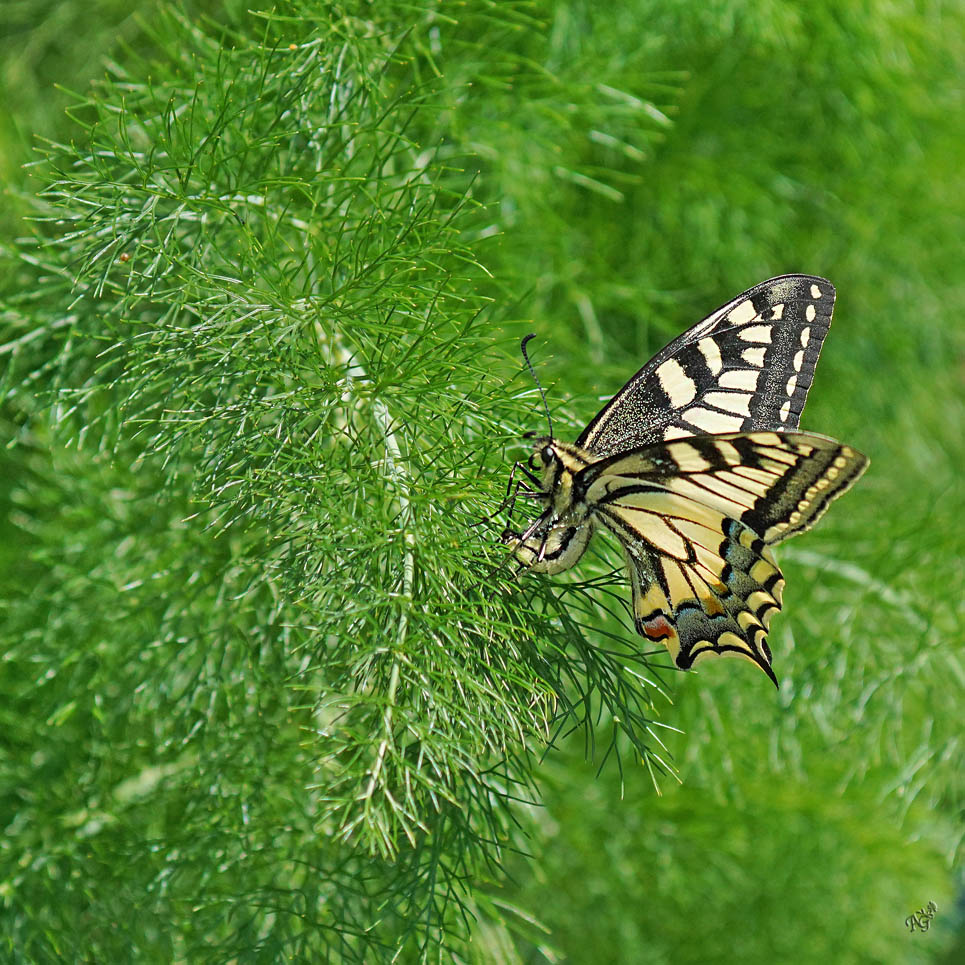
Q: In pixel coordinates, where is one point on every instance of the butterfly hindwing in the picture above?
(747, 366)
(681, 604)
(696, 518)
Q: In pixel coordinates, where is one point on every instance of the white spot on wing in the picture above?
(777, 312)
(680, 388)
(785, 409)
(744, 379)
(805, 336)
(791, 384)
(731, 401)
(743, 313)
(754, 356)
(755, 333)
(711, 353)
(810, 313)
(798, 359)
(815, 291)
(712, 422)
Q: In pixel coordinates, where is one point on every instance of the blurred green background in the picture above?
(640, 163)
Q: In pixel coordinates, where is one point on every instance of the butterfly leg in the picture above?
(511, 536)
(512, 493)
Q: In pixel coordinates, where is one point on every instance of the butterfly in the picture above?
(697, 467)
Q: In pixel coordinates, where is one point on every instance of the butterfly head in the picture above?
(556, 464)
(545, 461)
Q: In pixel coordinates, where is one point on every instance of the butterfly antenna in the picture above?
(532, 372)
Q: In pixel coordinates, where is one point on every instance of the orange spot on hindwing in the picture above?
(656, 628)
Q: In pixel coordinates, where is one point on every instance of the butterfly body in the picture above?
(559, 537)
(695, 511)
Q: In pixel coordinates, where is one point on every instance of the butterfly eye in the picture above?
(547, 455)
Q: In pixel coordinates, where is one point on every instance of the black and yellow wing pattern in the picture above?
(697, 518)
(697, 466)
(746, 366)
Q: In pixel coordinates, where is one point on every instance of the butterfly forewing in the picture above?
(696, 518)
(747, 366)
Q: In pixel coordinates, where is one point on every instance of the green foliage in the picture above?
(267, 692)
(764, 873)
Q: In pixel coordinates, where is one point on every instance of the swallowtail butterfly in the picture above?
(697, 467)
